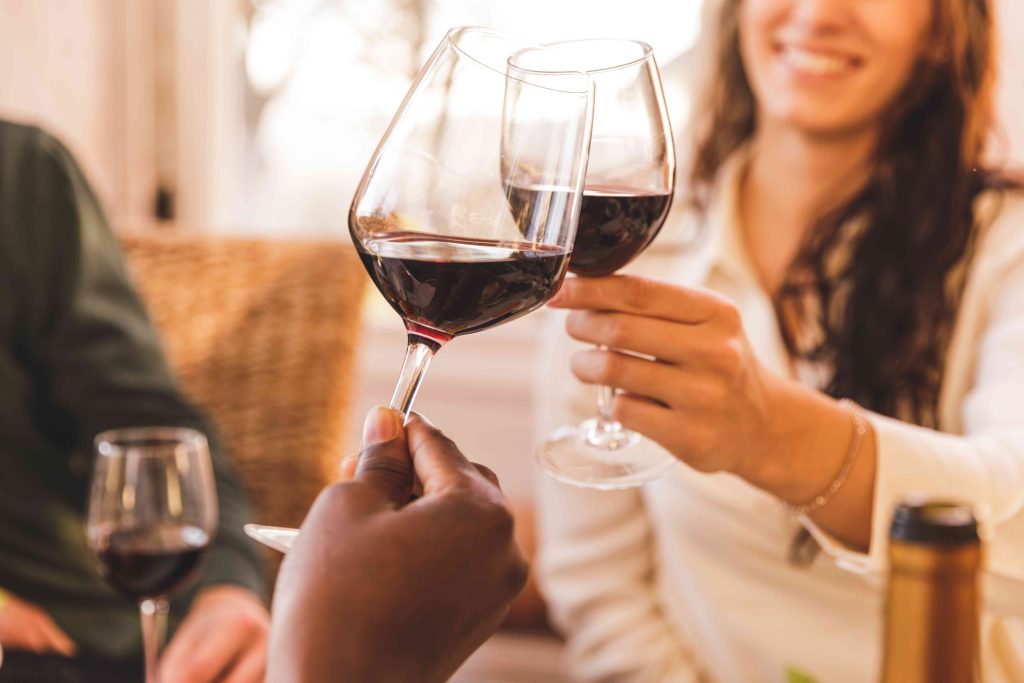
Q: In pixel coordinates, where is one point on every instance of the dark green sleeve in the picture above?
(97, 356)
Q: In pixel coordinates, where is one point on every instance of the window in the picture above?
(325, 76)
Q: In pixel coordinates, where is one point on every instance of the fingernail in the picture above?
(347, 462)
(562, 293)
(381, 425)
(423, 418)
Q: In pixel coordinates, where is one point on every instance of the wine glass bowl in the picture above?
(152, 513)
(431, 217)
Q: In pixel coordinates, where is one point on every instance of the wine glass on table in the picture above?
(628, 192)
(152, 513)
(437, 220)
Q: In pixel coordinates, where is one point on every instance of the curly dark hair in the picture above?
(877, 281)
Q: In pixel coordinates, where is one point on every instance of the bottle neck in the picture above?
(931, 626)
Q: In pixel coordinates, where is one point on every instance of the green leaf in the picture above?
(795, 675)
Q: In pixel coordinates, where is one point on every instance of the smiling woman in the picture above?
(913, 77)
(849, 330)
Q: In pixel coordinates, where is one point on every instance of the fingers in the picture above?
(488, 474)
(439, 464)
(644, 416)
(348, 466)
(224, 637)
(39, 633)
(691, 442)
(193, 654)
(630, 294)
(55, 639)
(250, 669)
(636, 375)
(384, 464)
(664, 340)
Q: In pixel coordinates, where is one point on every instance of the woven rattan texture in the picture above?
(262, 335)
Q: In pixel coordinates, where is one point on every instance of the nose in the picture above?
(821, 16)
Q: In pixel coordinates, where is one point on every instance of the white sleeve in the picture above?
(983, 466)
(596, 563)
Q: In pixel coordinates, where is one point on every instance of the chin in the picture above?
(821, 120)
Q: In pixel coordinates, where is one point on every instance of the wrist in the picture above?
(804, 444)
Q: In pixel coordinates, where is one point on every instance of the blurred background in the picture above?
(256, 118)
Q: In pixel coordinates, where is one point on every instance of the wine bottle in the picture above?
(931, 625)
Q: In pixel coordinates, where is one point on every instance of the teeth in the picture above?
(815, 62)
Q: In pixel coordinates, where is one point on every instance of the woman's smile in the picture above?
(816, 64)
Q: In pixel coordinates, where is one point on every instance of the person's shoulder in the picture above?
(37, 173)
(22, 139)
(29, 153)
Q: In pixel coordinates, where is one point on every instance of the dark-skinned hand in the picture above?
(378, 588)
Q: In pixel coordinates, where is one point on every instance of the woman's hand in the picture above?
(24, 626)
(702, 394)
(699, 391)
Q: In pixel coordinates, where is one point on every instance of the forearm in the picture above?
(810, 440)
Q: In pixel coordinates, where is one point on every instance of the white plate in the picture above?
(277, 537)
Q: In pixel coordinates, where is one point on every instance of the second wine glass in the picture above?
(152, 513)
(627, 196)
(438, 219)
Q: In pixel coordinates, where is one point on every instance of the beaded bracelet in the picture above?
(860, 425)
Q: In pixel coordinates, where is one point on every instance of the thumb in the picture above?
(384, 463)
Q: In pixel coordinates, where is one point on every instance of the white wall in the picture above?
(82, 69)
(1010, 18)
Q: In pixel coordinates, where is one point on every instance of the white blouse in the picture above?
(687, 579)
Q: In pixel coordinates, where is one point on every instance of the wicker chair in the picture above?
(263, 337)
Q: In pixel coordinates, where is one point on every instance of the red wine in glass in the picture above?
(616, 223)
(446, 286)
(150, 562)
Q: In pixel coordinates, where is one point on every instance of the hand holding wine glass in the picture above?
(628, 192)
(438, 219)
(152, 513)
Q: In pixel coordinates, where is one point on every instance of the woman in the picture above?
(854, 248)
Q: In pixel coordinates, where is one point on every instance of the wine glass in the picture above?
(628, 192)
(152, 513)
(441, 219)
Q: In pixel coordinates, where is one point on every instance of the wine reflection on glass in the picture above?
(626, 199)
(433, 219)
(152, 513)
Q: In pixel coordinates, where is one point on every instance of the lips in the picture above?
(815, 62)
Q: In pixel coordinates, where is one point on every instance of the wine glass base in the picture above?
(569, 457)
(279, 538)
(608, 437)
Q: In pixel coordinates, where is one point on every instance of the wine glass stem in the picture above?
(153, 613)
(605, 431)
(417, 360)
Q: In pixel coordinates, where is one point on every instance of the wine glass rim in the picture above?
(527, 45)
(114, 441)
(648, 54)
